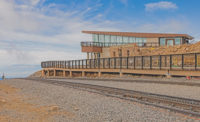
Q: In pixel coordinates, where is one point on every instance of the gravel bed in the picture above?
(91, 107)
(192, 92)
(148, 78)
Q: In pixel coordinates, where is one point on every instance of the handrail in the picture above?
(168, 62)
(108, 44)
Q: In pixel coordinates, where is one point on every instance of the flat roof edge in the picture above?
(137, 34)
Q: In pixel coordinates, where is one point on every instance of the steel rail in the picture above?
(131, 80)
(177, 104)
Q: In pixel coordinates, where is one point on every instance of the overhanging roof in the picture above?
(141, 35)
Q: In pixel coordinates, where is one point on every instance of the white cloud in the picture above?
(31, 34)
(165, 5)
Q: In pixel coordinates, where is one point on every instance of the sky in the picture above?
(32, 31)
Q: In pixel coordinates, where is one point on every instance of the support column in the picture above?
(99, 74)
(48, 73)
(83, 73)
(120, 74)
(54, 73)
(70, 73)
(64, 74)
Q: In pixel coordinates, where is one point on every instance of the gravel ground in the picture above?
(192, 92)
(151, 78)
(91, 107)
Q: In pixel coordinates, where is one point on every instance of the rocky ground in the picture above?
(25, 100)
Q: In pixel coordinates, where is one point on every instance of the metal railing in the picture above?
(108, 44)
(169, 62)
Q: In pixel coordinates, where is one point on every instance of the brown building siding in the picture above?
(94, 49)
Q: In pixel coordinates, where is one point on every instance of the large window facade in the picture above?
(118, 39)
(170, 41)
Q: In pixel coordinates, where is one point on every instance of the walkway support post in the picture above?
(83, 73)
(70, 73)
(99, 74)
(54, 73)
(64, 74)
(120, 74)
(48, 73)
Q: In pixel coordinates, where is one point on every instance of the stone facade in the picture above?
(134, 50)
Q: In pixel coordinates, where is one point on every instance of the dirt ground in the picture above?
(14, 107)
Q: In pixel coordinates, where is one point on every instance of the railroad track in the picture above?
(181, 105)
(136, 81)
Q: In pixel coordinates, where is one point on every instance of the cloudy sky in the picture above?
(32, 31)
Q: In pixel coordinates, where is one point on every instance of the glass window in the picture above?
(132, 39)
(107, 38)
(119, 39)
(139, 41)
(95, 38)
(101, 38)
(125, 39)
(113, 38)
(177, 41)
(144, 40)
(162, 41)
(170, 42)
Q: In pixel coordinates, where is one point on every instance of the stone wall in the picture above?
(134, 50)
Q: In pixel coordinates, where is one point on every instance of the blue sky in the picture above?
(38, 30)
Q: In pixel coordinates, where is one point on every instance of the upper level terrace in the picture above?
(107, 39)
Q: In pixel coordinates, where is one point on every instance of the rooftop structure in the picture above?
(102, 41)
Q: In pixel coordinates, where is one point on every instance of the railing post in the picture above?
(98, 63)
(94, 66)
(79, 64)
(150, 62)
(109, 63)
(58, 64)
(134, 62)
(127, 62)
(182, 59)
(195, 62)
(120, 62)
(90, 63)
(75, 64)
(86, 63)
(142, 61)
(160, 61)
(114, 63)
(170, 62)
(103, 63)
(72, 64)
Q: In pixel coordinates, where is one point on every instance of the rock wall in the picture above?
(134, 50)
